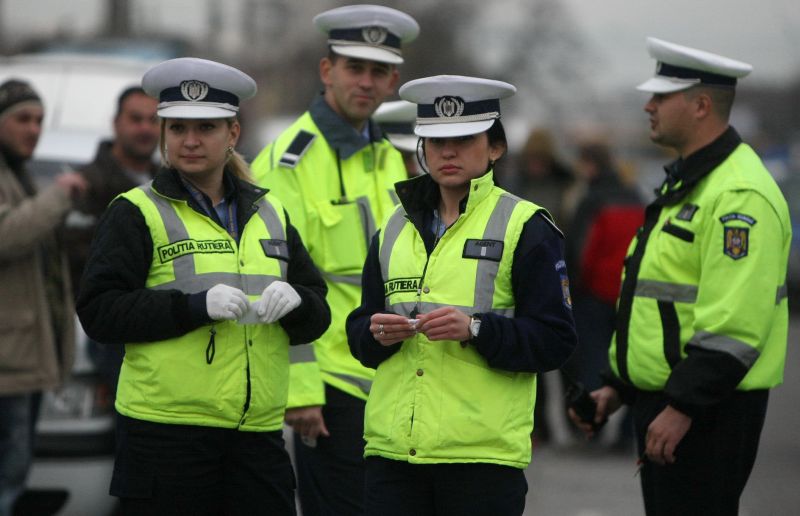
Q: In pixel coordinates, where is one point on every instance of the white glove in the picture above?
(277, 300)
(225, 303)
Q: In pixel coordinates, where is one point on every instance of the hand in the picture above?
(224, 303)
(73, 184)
(664, 434)
(390, 329)
(277, 300)
(307, 422)
(446, 323)
(608, 402)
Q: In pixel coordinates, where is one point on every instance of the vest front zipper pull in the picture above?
(212, 347)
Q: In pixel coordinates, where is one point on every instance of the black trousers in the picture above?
(713, 461)
(397, 488)
(330, 475)
(171, 470)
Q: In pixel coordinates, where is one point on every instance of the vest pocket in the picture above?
(343, 238)
(671, 330)
(18, 327)
(482, 408)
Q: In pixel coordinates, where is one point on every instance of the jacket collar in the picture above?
(338, 133)
(168, 184)
(420, 195)
(105, 160)
(684, 173)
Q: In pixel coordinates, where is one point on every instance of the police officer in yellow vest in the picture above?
(465, 300)
(202, 277)
(702, 314)
(334, 171)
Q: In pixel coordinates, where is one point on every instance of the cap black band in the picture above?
(175, 94)
(681, 72)
(357, 35)
(470, 108)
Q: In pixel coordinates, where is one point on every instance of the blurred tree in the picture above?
(118, 18)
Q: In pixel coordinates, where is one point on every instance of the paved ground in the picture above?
(577, 480)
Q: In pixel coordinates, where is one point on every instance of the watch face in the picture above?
(474, 326)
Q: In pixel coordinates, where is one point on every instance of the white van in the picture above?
(75, 433)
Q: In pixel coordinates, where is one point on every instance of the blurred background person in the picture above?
(605, 221)
(202, 277)
(542, 175)
(335, 173)
(122, 163)
(396, 119)
(36, 308)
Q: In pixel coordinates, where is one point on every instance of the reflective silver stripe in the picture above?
(407, 308)
(361, 383)
(186, 280)
(250, 284)
(273, 222)
(662, 291)
(367, 220)
(394, 197)
(783, 292)
(183, 266)
(353, 279)
(486, 271)
(742, 352)
(302, 353)
(390, 235)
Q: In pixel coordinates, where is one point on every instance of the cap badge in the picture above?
(194, 90)
(448, 106)
(374, 35)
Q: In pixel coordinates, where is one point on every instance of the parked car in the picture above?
(74, 453)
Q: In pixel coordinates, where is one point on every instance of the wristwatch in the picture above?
(474, 325)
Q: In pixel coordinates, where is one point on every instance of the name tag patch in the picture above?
(394, 286)
(169, 252)
(274, 248)
(483, 249)
(737, 242)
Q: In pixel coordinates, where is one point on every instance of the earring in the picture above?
(229, 150)
(491, 163)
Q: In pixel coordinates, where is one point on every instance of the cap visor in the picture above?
(452, 130)
(368, 53)
(403, 142)
(665, 85)
(195, 112)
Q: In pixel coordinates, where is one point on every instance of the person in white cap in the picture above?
(465, 299)
(202, 277)
(702, 314)
(396, 119)
(334, 171)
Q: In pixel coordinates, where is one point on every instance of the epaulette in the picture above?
(298, 147)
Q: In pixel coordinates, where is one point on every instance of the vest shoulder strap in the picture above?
(300, 144)
(547, 217)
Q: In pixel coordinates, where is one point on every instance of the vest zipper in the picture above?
(248, 384)
(212, 346)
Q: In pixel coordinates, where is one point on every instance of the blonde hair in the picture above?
(235, 164)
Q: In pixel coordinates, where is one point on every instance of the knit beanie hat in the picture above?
(13, 92)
